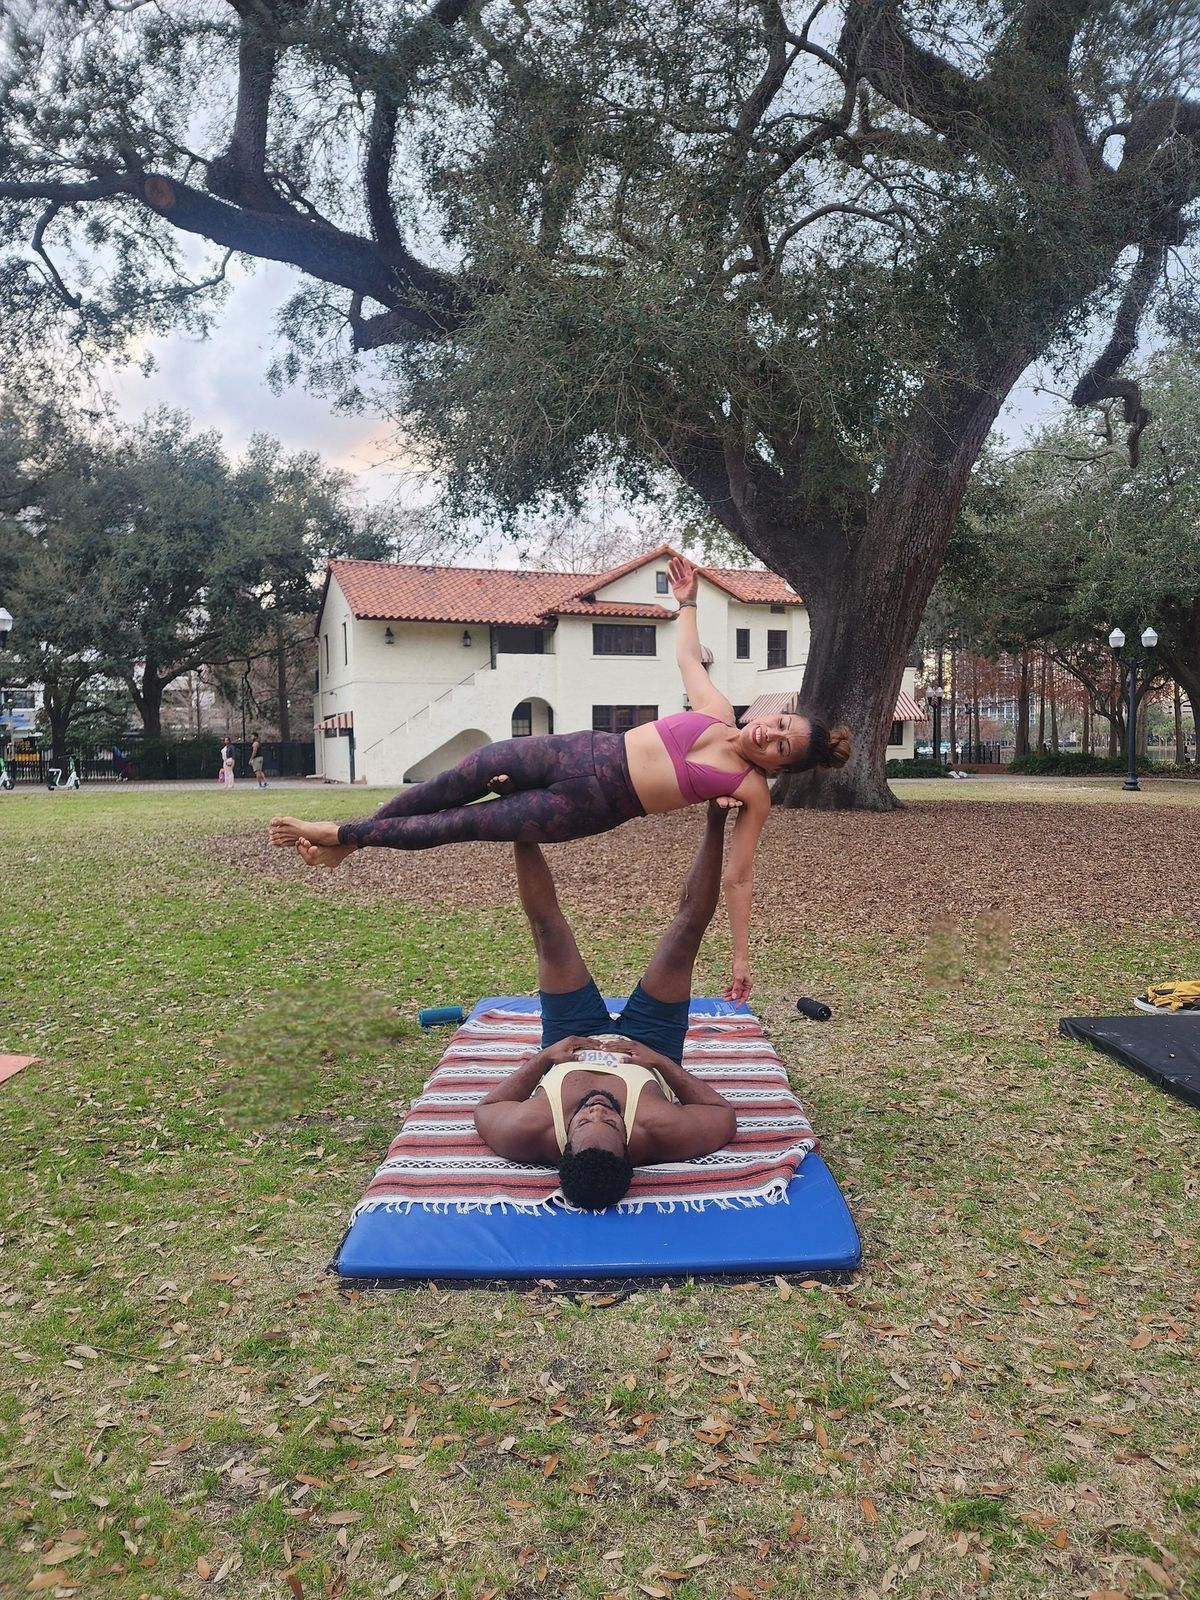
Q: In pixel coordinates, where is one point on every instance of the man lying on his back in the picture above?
(594, 1102)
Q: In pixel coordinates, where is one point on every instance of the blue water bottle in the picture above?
(441, 1016)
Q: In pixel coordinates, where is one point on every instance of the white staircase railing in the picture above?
(427, 708)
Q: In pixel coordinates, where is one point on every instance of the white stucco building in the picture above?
(417, 665)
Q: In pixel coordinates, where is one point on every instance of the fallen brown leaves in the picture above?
(1039, 864)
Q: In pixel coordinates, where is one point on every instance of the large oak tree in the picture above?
(792, 259)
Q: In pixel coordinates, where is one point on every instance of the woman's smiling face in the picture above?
(774, 743)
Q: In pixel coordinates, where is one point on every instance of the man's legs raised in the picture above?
(560, 966)
(669, 974)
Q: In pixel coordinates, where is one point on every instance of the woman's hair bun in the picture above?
(838, 748)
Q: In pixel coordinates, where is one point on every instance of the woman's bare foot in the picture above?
(323, 855)
(287, 831)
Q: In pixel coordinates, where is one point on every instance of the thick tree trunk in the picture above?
(1180, 746)
(1086, 742)
(866, 593)
(1180, 654)
(59, 719)
(843, 680)
(148, 699)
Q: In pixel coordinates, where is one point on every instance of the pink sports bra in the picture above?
(679, 733)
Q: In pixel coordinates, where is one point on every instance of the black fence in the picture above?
(137, 759)
(987, 753)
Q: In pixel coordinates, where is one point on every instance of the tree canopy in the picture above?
(1063, 541)
(142, 553)
(789, 261)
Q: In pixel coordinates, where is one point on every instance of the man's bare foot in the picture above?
(287, 831)
(323, 855)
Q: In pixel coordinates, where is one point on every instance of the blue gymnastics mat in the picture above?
(811, 1231)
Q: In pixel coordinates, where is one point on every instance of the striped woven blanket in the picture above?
(438, 1161)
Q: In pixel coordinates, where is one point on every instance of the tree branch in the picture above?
(1100, 381)
(377, 171)
(915, 80)
(239, 174)
(429, 302)
(1048, 28)
(43, 222)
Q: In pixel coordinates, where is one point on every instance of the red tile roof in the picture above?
(389, 591)
(753, 587)
(597, 580)
(612, 608)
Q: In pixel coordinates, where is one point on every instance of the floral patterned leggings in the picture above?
(567, 786)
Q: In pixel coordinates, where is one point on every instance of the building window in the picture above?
(345, 646)
(619, 719)
(622, 639)
(897, 734)
(743, 644)
(520, 641)
(776, 647)
(522, 720)
(739, 712)
(779, 611)
(325, 637)
(661, 586)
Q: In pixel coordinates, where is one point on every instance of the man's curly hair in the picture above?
(593, 1180)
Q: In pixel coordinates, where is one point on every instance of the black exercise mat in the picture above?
(1164, 1049)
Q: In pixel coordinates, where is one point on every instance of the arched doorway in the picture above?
(532, 716)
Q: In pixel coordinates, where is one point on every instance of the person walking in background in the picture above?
(256, 762)
(227, 760)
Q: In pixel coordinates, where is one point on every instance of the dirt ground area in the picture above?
(1042, 863)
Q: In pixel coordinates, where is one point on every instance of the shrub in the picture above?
(1071, 763)
(922, 767)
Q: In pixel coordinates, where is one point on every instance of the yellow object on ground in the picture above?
(1175, 996)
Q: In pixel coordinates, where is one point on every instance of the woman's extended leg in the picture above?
(569, 810)
(526, 763)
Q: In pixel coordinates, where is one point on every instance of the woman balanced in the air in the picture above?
(561, 786)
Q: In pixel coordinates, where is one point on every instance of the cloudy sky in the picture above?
(221, 381)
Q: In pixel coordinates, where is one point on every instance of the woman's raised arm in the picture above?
(685, 582)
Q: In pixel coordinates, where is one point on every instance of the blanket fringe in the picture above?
(773, 1194)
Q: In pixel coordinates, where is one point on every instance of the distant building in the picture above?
(18, 712)
(418, 665)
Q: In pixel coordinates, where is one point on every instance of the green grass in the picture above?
(226, 1054)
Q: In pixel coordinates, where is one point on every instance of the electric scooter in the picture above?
(55, 779)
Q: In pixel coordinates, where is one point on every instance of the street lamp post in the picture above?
(6, 623)
(934, 698)
(1132, 666)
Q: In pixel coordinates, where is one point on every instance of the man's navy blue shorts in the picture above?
(661, 1024)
